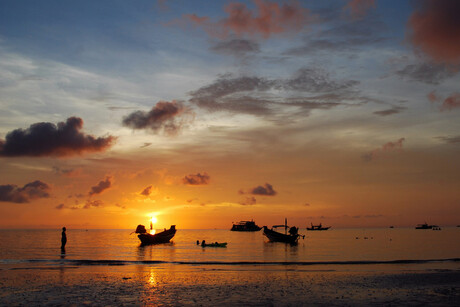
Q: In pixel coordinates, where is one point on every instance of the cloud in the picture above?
(450, 139)
(430, 73)
(306, 90)
(249, 201)
(101, 186)
(393, 110)
(31, 191)
(164, 116)
(71, 173)
(47, 139)
(60, 206)
(196, 179)
(387, 147)
(93, 203)
(236, 47)
(449, 103)
(266, 190)
(147, 191)
(434, 28)
(268, 18)
(359, 8)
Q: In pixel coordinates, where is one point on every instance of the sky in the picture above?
(204, 113)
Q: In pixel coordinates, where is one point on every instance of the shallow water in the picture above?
(335, 246)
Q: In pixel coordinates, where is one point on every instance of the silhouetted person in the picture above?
(203, 243)
(63, 240)
(293, 230)
(197, 242)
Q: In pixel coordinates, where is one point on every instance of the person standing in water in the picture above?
(63, 239)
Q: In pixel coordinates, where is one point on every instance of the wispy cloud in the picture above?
(391, 111)
(47, 139)
(386, 148)
(430, 73)
(268, 18)
(359, 8)
(31, 191)
(447, 104)
(147, 191)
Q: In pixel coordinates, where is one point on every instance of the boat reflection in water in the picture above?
(275, 236)
(161, 237)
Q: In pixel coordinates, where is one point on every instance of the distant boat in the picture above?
(318, 227)
(161, 237)
(216, 244)
(275, 236)
(425, 226)
(392, 227)
(245, 226)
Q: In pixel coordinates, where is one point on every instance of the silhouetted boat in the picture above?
(424, 226)
(318, 227)
(245, 226)
(161, 237)
(275, 236)
(216, 244)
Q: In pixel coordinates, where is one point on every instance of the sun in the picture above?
(154, 220)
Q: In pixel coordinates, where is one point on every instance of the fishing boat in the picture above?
(161, 237)
(318, 227)
(245, 226)
(424, 226)
(276, 236)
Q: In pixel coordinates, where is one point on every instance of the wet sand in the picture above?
(172, 285)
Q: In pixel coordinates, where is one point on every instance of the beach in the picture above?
(170, 285)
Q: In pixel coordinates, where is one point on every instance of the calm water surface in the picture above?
(334, 245)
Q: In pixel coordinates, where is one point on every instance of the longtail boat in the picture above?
(161, 237)
(318, 227)
(275, 236)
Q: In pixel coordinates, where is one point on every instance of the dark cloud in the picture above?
(147, 191)
(387, 147)
(101, 186)
(266, 190)
(60, 206)
(450, 139)
(47, 139)
(196, 179)
(306, 90)
(434, 28)
(249, 201)
(236, 47)
(165, 116)
(392, 111)
(93, 203)
(430, 73)
(31, 191)
(67, 172)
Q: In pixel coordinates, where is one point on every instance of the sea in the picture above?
(334, 248)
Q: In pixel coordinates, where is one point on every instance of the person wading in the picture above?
(63, 240)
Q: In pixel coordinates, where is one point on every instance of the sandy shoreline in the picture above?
(174, 285)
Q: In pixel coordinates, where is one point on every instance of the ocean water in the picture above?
(332, 247)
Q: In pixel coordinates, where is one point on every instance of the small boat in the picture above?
(424, 226)
(275, 236)
(318, 227)
(216, 244)
(161, 237)
(245, 226)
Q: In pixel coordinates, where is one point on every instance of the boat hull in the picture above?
(323, 228)
(161, 237)
(275, 236)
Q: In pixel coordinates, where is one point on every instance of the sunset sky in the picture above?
(204, 113)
